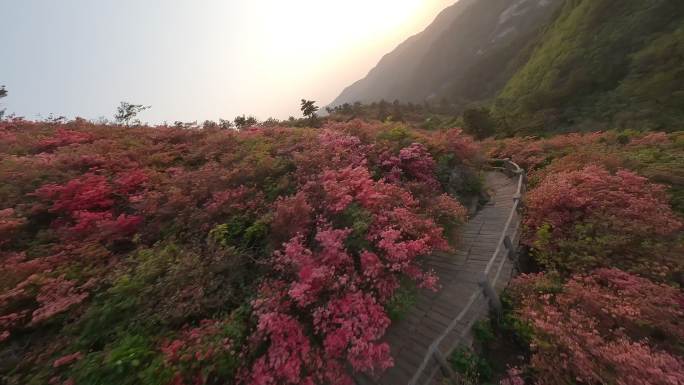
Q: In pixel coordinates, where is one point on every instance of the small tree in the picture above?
(3, 93)
(127, 111)
(225, 124)
(478, 123)
(271, 122)
(309, 109)
(209, 125)
(383, 110)
(244, 121)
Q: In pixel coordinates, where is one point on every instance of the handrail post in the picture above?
(509, 246)
(447, 370)
(521, 206)
(491, 295)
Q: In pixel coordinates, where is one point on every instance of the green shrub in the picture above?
(402, 301)
(358, 220)
(471, 366)
(130, 360)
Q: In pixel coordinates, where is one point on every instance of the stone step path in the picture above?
(459, 274)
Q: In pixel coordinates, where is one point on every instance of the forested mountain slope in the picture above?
(542, 66)
(381, 81)
(606, 62)
(469, 40)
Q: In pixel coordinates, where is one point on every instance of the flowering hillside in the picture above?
(158, 255)
(603, 224)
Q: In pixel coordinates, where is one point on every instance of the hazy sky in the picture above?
(194, 59)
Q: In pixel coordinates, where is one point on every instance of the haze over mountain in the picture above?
(540, 65)
(441, 60)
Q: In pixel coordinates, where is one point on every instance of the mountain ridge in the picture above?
(396, 59)
(420, 67)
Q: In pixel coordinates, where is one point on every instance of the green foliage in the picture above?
(126, 112)
(543, 241)
(515, 326)
(590, 246)
(445, 164)
(243, 121)
(121, 308)
(428, 116)
(471, 366)
(478, 123)
(131, 359)
(483, 331)
(241, 233)
(458, 180)
(473, 184)
(309, 108)
(663, 164)
(110, 312)
(601, 61)
(3, 93)
(256, 234)
(357, 219)
(399, 134)
(677, 199)
(165, 287)
(402, 301)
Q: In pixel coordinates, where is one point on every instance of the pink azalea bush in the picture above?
(513, 377)
(201, 354)
(594, 206)
(605, 327)
(589, 218)
(342, 290)
(132, 249)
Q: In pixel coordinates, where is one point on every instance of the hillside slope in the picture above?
(381, 82)
(606, 62)
(469, 40)
(139, 255)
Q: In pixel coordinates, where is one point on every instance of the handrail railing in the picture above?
(486, 286)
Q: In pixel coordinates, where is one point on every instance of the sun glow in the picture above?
(327, 30)
(228, 57)
(317, 41)
(336, 24)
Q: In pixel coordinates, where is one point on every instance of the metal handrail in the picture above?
(487, 287)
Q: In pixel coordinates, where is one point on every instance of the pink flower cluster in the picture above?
(193, 354)
(10, 224)
(326, 292)
(349, 325)
(413, 162)
(513, 377)
(583, 211)
(67, 360)
(54, 296)
(312, 215)
(88, 192)
(87, 206)
(65, 137)
(605, 327)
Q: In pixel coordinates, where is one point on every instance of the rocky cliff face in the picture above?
(469, 42)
